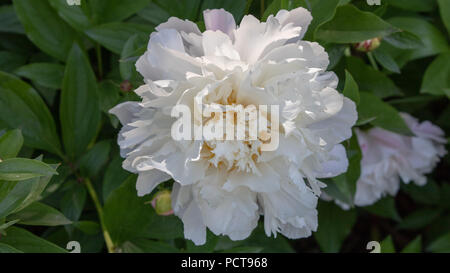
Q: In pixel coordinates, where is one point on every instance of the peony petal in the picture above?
(149, 180)
(337, 127)
(194, 229)
(219, 19)
(254, 39)
(227, 213)
(216, 43)
(266, 181)
(337, 164)
(179, 25)
(299, 17)
(126, 111)
(290, 211)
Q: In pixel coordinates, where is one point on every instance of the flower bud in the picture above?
(368, 45)
(162, 203)
(126, 86)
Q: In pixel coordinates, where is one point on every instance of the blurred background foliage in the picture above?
(63, 67)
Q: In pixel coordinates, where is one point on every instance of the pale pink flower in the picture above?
(389, 158)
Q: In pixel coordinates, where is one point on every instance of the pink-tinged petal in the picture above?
(425, 129)
(219, 19)
(389, 139)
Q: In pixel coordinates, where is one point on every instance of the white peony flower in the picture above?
(389, 157)
(225, 185)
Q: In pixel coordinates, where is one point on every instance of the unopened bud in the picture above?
(368, 45)
(162, 202)
(126, 86)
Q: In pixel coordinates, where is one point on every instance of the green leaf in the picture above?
(79, 108)
(154, 14)
(351, 89)
(113, 36)
(428, 194)
(88, 227)
(7, 225)
(413, 5)
(128, 67)
(237, 7)
(16, 195)
(21, 107)
(343, 187)
(147, 246)
(338, 190)
(386, 60)
(274, 6)
(94, 160)
(386, 116)
(26, 241)
(114, 176)
(57, 181)
(440, 245)
(73, 201)
(116, 10)
(130, 219)
(335, 54)
(385, 208)
(4, 248)
(185, 9)
(419, 218)
(10, 61)
(369, 79)
(46, 74)
(403, 40)
(433, 40)
(10, 144)
(415, 246)
(335, 225)
(44, 28)
(109, 95)
(387, 245)
(322, 11)
(10, 22)
(49, 94)
(436, 80)
(354, 156)
(343, 29)
(444, 8)
(136, 218)
(18, 169)
(73, 15)
(166, 228)
(39, 214)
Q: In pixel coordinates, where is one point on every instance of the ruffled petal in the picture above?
(219, 19)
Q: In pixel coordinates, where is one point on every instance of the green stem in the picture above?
(93, 194)
(372, 61)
